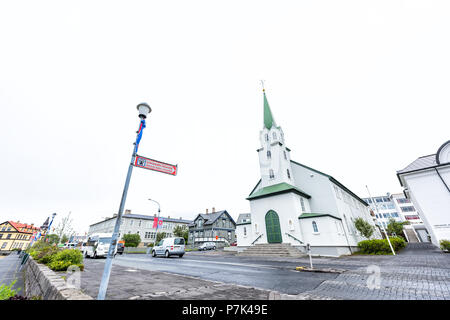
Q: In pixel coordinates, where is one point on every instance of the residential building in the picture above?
(426, 182)
(298, 205)
(385, 209)
(218, 227)
(139, 224)
(16, 235)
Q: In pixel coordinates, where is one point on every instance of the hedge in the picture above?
(56, 258)
(445, 245)
(381, 246)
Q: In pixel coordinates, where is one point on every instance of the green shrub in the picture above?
(46, 255)
(445, 244)
(65, 258)
(150, 245)
(7, 292)
(381, 246)
(131, 240)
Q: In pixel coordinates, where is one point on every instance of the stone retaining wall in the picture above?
(43, 282)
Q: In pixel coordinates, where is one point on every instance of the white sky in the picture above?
(360, 89)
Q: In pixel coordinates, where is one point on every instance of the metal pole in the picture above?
(308, 246)
(382, 226)
(112, 246)
(157, 222)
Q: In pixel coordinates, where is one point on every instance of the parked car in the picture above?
(207, 246)
(71, 245)
(120, 247)
(169, 247)
(234, 244)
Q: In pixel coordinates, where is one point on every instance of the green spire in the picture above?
(268, 118)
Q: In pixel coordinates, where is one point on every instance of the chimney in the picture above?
(206, 211)
(213, 210)
(127, 211)
(114, 215)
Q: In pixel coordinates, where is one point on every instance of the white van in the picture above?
(97, 245)
(169, 247)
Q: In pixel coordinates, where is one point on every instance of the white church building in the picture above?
(298, 205)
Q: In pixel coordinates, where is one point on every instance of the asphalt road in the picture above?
(270, 275)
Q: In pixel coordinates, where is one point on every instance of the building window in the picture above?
(269, 155)
(285, 156)
(245, 231)
(291, 226)
(267, 137)
(288, 173)
(274, 135)
(408, 209)
(256, 228)
(8, 236)
(314, 225)
(302, 203)
(271, 174)
(4, 245)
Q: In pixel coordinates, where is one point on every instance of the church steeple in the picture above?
(268, 118)
(274, 158)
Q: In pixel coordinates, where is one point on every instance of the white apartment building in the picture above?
(139, 224)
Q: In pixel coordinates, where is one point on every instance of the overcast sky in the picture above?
(360, 89)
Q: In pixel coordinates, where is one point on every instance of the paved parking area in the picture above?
(9, 271)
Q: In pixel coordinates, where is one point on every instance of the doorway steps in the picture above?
(273, 250)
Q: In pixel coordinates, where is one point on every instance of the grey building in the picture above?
(139, 224)
(218, 227)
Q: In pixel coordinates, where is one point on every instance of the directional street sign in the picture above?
(154, 165)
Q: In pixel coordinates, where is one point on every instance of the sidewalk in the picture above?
(9, 271)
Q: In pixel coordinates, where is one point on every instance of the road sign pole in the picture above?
(112, 246)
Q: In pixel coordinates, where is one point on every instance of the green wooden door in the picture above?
(273, 227)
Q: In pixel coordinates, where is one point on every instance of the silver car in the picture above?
(169, 247)
(207, 246)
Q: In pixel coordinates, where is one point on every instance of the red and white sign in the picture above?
(154, 165)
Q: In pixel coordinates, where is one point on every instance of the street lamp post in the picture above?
(159, 211)
(144, 109)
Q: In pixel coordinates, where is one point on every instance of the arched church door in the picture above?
(273, 227)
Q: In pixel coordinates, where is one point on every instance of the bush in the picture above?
(46, 255)
(381, 246)
(150, 245)
(65, 258)
(445, 244)
(6, 292)
(131, 240)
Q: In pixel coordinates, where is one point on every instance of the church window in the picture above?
(256, 228)
(274, 136)
(267, 137)
(302, 203)
(269, 155)
(314, 225)
(288, 173)
(245, 231)
(285, 157)
(271, 174)
(291, 226)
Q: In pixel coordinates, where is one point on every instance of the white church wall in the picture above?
(431, 198)
(244, 235)
(288, 208)
(329, 233)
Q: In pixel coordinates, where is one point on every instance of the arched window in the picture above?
(271, 174)
(267, 137)
(314, 225)
(288, 173)
(245, 231)
(269, 155)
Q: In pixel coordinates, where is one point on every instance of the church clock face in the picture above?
(443, 154)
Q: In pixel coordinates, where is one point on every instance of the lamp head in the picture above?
(144, 109)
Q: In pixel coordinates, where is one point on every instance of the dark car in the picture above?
(120, 248)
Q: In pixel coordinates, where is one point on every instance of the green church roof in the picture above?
(268, 118)
(276, 189)
(315, 215)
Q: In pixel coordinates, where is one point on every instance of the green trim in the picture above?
(276, 189)
(334, 181)
(308, 215)
(242, 223)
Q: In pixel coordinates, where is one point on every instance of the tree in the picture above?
(181, 231)
(160, 236)
(64, 228)
(64, 239)
(53, 238)
(395, 228)
(364, 227)
(131, 240)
